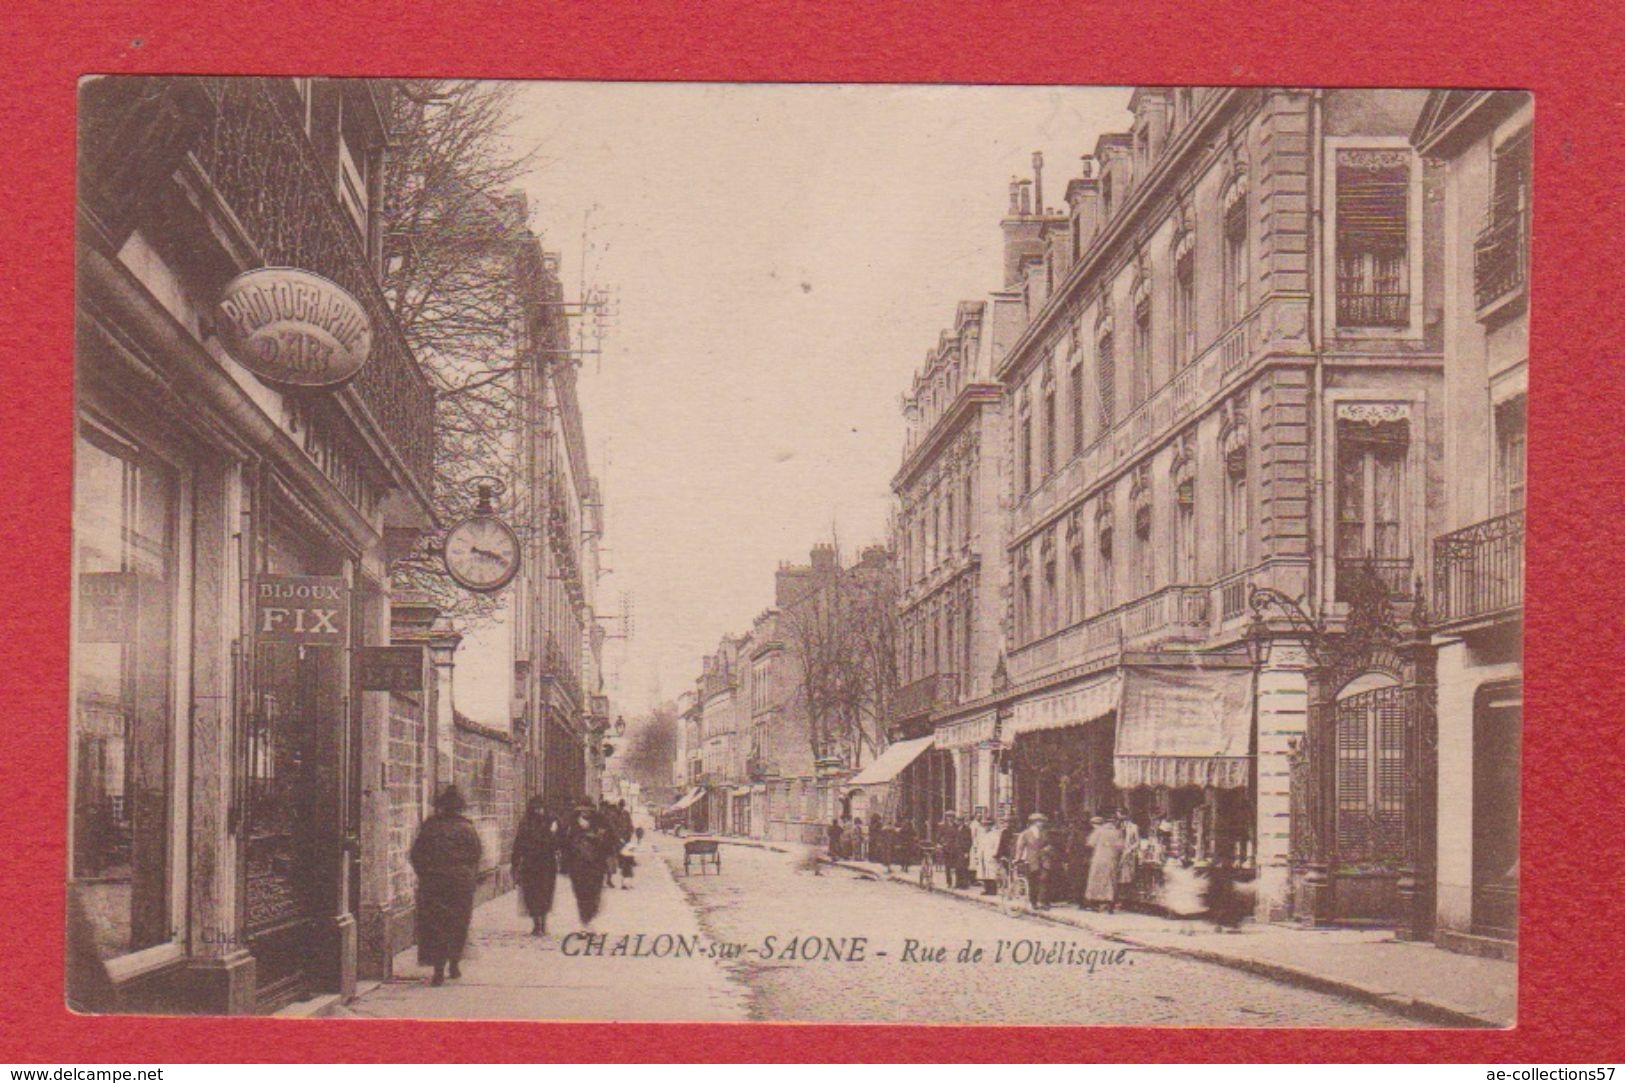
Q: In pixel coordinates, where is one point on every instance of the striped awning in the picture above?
(968, 732)
(1069, 707)
(1184, 727)
(688, 799)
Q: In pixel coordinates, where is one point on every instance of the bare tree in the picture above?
(651, 745)
(842, 629)
(451, 233)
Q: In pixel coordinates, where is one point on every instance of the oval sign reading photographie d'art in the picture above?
(293, 327)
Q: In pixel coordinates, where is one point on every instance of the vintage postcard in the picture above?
(829, 553)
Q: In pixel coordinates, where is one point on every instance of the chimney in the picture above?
(1026, 197)
(1038, 182)
(1015, 197)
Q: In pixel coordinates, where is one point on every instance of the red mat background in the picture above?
(1570, 1002)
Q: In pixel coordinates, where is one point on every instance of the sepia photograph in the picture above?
(797, 553)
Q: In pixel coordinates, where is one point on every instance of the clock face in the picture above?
(482, 554)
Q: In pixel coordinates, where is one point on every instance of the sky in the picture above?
(781, 259)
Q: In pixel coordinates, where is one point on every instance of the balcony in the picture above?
(263, 169)
(1365, 577)
(1478, 571)
(925, 695)
(1501, 261)
(1373, 309)
(1172, 614)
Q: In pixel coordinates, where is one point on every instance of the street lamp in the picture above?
(620, 725)
(1260, 635)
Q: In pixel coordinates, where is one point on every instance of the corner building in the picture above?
(223, 767)
(1226, 377)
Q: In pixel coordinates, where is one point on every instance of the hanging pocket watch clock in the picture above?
(481, 553)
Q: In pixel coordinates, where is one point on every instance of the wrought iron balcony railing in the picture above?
(1358, 577)
(1373, 309)
(1478, 571)
(927, 694)
(263, 168)
(1501, 259)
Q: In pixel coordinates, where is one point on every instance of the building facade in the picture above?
(950, 558)
(1225, 431)
(561, 712)
(1482, 143)
(233, 539)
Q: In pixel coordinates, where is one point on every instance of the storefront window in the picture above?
(126, 521)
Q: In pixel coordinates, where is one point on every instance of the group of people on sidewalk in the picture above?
(591, 844)
(1092, 861)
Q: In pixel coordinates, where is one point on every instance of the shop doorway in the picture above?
(1497, 764)
(293, 823)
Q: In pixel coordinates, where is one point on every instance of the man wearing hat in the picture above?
(1030, 847)
(446, 857)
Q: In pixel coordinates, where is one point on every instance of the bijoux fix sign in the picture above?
(293, 327)
(309, 609)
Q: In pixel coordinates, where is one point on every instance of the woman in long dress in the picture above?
(1128, 866)
(446, 857)
(536, 863)
(1106, 854)
(588, 848)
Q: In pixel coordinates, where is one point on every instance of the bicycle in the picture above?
(928, 867)
(1013, 886)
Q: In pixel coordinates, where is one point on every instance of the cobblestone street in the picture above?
(762, 894)
(754, 957)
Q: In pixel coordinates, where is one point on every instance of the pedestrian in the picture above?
(860, 841)
(446, 857)
(966, 840)
(1030, 845)
(587, 845)
(1078, 854)
(908, 842)
(876, 840)
(536, 863)
(985, 853)
(1128, 866)
(1106, 854)
(834, 839)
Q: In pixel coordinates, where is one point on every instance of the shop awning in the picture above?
(967, 732)
(891, 762)
(1070, 707)
(1182, 726)
(688, 799)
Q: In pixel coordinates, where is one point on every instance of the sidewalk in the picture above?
(509, 974)
(1420, 980)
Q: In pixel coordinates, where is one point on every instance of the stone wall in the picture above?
(486, 770)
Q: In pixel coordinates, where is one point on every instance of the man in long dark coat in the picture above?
(536, 863)
(446, 856)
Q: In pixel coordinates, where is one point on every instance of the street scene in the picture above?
(729, 552)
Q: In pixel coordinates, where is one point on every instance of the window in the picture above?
(1509, 456)
(948, 526)
(1184, 301)
(1235, 253)
(965, 513)
(1185, 530)
(1075, 572)
(1076, 382)
(1051, 597)
(1024, 595)
(1501, 252)
(1024, 448)
(1373, 210)
(1370, 504)
(936, 534)
(1104, 590)
(1237, 511)
(1106, 381)
(126, 526)
(1049, 429)
(1140, 389)
(1144, 552)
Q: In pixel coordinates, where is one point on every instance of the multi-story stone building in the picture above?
(560, 705)
(950, 561)
(719, 700)
(233, 539)
(1226, 390)
(1481, 140)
